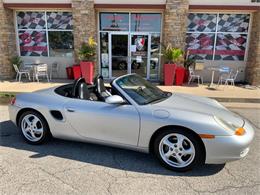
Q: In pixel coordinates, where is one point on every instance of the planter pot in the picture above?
(87, 70)
(169, 74)
(186, 76)
(180, 73)
(69, 71)
(76, 71)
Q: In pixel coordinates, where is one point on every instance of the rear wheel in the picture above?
(178, 150)
(34, 127)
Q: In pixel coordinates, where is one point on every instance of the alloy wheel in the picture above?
(177, 150)
(32, 128)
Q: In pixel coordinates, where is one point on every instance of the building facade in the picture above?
(132, 34)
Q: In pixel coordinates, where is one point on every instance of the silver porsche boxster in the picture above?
(182, 131)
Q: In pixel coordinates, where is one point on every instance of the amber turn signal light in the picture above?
(240, 131)
(207, 136)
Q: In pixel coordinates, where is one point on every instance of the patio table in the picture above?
(212, 69)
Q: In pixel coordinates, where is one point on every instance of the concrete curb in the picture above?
(241, 105)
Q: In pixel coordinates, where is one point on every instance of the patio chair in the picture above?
(20, 73)
(193, 76)
(233, 77)
(41, 70)
(224, 73)
(54, 69)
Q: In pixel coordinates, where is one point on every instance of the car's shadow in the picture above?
(95, 154)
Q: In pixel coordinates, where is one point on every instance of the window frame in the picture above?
(46, 30)
(216, 32)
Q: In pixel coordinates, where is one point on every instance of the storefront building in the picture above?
(131, 34)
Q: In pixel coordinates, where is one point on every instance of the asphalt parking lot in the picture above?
(64, 167)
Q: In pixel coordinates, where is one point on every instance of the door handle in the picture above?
(70, 109)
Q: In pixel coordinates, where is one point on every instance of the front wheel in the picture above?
(178, 150)
(34, 127)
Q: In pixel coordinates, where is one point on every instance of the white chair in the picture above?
(20, 73)
(193, 76)
(232, 78)
(224, 73)
(54, 69)
(41, 70)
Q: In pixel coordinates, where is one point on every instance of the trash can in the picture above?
(87, 70)
(76, 71)
(169, 74)
(69, 71)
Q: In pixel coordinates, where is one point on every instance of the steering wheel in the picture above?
(76, 85)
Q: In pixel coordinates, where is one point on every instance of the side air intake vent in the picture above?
(57, 114)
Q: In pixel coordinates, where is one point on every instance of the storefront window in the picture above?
(144, 22)
(45, 33)
(217, 36)
(61, 43)
(200, 45)
(114, 21)
(104, 57)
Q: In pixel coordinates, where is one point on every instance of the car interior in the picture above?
(79, 89)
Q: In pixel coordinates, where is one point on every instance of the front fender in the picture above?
(200, 123)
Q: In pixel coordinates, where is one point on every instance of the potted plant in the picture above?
(86, 55)
(16, 60)
(174, 68)
(180, 70)
(169, 66)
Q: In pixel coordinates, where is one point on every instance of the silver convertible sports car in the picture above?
(182, 131)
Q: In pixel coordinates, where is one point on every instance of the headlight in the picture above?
(230, 126)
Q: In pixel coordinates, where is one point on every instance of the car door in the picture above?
(102, 121)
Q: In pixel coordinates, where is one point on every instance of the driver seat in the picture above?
(80, 90)
(101, 91)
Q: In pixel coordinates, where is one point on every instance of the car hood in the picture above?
(197, 104)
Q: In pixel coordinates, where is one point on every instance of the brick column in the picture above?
(7, 42)
(175, 24)
(253, 62)
(85, 24)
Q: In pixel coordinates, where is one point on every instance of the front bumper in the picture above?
(228, 148)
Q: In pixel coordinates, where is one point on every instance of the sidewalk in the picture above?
(221, 92)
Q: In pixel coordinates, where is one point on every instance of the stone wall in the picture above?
(85, 24)
(175, 22)
(174, 25)
(7, 42)
(253, 64)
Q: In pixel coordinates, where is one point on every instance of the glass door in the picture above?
(119, 59)
(139, 47)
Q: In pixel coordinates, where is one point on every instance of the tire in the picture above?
(34, 128)
(169, 150)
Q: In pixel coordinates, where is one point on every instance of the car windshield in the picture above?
(140, 90)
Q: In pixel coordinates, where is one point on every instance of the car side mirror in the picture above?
(115, 99)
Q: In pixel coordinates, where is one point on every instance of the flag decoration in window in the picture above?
(60, 20)
(202, 22)
(31, 20)
(33, 43)
(200, 45)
